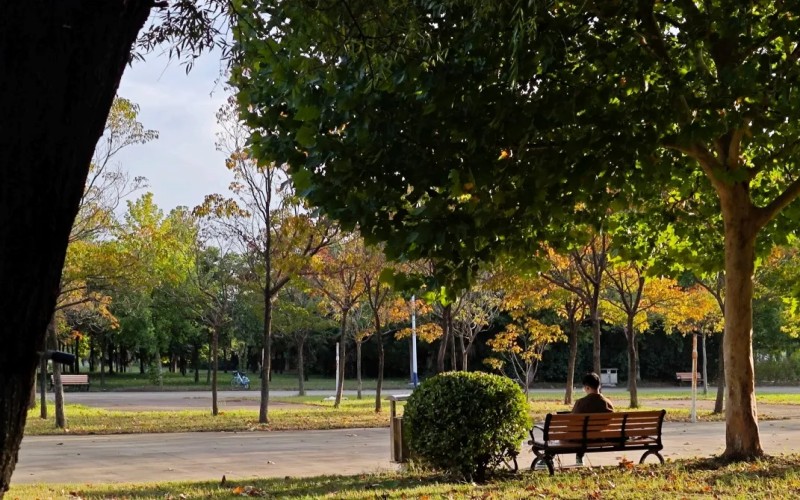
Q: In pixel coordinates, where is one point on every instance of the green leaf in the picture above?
(307, 113)
(307, 136)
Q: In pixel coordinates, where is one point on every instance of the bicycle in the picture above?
(240, 380)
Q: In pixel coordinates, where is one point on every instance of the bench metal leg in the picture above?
(547, 460)
(538, 457)
(651, 452)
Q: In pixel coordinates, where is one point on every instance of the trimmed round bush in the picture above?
(465, 423)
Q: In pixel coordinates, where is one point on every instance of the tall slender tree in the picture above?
(273, 230)
(337, 278)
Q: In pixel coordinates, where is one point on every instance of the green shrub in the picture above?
(465, 423)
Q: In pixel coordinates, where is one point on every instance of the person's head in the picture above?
(591, 382)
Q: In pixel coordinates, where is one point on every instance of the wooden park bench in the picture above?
(687, 377)
(80, 380)
(582, 433)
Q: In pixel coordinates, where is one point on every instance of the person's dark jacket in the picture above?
(593, 403)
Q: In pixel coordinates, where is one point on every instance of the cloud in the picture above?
(182, 165)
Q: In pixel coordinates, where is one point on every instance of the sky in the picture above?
(182, 165)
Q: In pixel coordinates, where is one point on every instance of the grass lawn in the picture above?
(775, 477)
(313, 414)
(316, 416)
(135, 381)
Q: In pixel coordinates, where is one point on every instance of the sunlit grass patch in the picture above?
(85, 420)
(316, 413)
(772, 477)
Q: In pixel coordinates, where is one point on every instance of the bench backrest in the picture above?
(74, 379)
(603, 426)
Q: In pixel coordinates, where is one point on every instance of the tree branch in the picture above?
(708, 163)
(767, 213)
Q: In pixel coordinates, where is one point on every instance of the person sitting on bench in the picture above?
(593, 402)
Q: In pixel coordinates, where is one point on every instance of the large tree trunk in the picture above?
(214, 370)
(340, 368)
(719, 403)
(573, 355)
(742, 439)
(61, 64)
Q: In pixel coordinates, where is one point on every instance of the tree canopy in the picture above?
(463, 129)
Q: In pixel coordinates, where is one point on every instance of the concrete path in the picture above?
(207, 456)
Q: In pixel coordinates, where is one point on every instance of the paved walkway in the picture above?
(207, 456)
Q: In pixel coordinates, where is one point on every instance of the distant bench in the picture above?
(583, 433)
(687, 377)
(67, 380)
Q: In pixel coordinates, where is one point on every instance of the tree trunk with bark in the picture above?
(381, 362)
(633, 362)
(452, 337)
(58, 387)
(103, 361)
(573, 355)
(705, 366)
(301, 368)
(595, 313)
(358, 369)
(196, 362)
(214, 370)
(43, 388)
(32, 400)
(266, 365)
(340, 368)
(61, 64)
(719, 406)
(440, 357)
(463, 348)
(742, 440)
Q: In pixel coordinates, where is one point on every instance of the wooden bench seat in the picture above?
(687, 377)
(80, 380)
(582, 433)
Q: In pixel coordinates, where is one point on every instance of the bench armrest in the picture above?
(540, 429)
